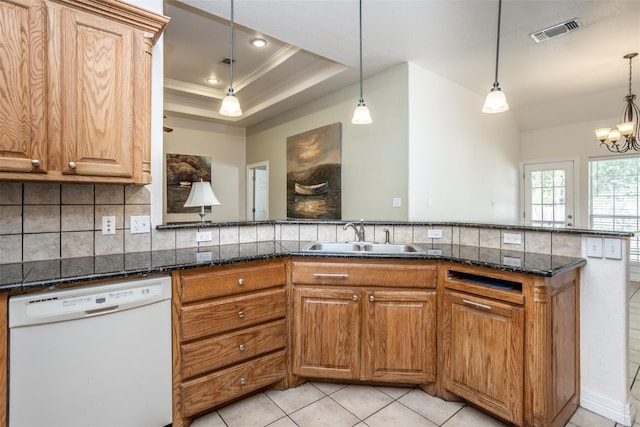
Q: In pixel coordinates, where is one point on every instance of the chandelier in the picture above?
(627, 128)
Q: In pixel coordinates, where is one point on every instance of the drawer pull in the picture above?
(241, 347)
(241, 314)
(240, 282)
(372, 298)
(333, 275)
(355, 297)
(243, 381)
(476, 304)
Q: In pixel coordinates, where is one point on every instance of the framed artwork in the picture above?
(314, 162)
(181, 171)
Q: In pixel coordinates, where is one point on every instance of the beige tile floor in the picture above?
(316, 404)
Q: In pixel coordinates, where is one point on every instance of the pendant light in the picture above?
(230, 106)
(628, 125)
(361, 115)
(496, 101)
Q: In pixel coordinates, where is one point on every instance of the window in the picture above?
(614, 197)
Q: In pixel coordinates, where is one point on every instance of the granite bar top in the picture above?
(52, 273)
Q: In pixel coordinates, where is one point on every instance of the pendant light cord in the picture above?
(498, 41)
(361, 98)
(231, 56)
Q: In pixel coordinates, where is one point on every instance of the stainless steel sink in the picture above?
(391, 248)
(361, 247)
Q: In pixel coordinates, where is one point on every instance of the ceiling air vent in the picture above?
(556, 30)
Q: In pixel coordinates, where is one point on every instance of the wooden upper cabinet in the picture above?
(23, 137)
(78, 90)
(96, 83)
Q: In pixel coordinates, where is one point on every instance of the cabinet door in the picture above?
(23, 135)
(96, 85)
(400, 336)
(483, 353)
(327, 333)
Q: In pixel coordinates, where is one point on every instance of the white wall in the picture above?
(463, 164)
(374, 157)
(226, 146)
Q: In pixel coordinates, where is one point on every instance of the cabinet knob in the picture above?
(241, 347)
(241, 314)
(240, 282)
(372, 298)
(243, 381)
(355, 297)
(72, 165)
(35, 163)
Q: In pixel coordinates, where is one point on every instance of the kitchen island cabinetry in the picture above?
(364, 320)
(510, 343)
(79, 91)
(229, 334)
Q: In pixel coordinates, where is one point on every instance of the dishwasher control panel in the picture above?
(59, 305)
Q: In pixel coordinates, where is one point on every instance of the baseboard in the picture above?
(621, 413)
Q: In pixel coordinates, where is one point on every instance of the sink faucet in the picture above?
(358, 229)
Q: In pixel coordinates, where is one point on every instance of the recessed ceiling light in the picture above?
(258, 42)
(213, 81)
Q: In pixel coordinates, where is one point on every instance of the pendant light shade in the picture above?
(496, 101)
(230, 106)
(361, 115)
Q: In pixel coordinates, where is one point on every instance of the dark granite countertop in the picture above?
(51, 273)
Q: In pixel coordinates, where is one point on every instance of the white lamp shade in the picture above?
(361, 115)
(602, 133)
(230, 106)
(495, 102)
(201, 195)
(614, 135)
(626, 128)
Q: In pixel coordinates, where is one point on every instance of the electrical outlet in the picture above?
(204, 256)
(613, 248)
(140, 224)
(512, 238)
(204, 236)
(108, 225)
(434, 233)
(594, 247)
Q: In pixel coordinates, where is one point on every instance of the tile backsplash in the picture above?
(49, 221)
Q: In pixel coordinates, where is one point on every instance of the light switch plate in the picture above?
(396, 202)
(434, 233)
(108, 225)
(594, 247)
(512, 238)
(140, 224)
(613, 248)
(204, 236)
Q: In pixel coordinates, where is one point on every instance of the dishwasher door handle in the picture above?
(101, 310)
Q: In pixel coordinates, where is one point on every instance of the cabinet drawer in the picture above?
(218, 387)
(213, 353)
(226, 314)
(228, 280)
(388, 275)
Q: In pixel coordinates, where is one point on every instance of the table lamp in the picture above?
(201, 195)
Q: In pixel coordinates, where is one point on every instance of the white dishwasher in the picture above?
(92, 356)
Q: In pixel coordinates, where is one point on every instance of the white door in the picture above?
(548, 194)
(258, 191)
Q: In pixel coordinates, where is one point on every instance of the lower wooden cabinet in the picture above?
(483, 349)
(509, 342)
(383, 333)
(230, 334)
